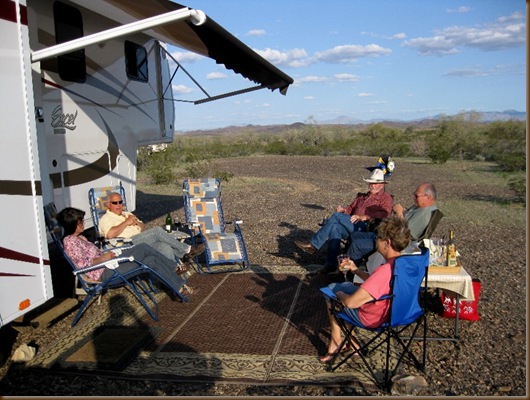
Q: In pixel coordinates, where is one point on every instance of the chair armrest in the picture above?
(113, 264)
(114, 241)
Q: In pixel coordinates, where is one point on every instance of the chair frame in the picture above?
(436, 216)
(93, 199)
(384, 334)
(195, 229)
(133, 280)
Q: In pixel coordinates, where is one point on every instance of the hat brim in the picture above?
(373, 181)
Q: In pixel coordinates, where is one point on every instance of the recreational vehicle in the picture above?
(83, 84)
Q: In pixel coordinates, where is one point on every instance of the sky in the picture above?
(361, 59)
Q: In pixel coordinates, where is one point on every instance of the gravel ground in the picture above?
(283, 198)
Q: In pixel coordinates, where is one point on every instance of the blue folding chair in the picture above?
(225, 251)
(97, 199)
(139, 281)
(408, 273)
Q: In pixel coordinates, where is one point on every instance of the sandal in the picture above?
(187, 290)
(327, 358)
(181, 269)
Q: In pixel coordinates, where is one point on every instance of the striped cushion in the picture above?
(206, 187)
(224, 246)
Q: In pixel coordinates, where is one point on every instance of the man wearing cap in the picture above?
(417, 217)
(367, 207)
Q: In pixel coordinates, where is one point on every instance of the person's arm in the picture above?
(356, 299)
(350, 266)
(81, 252)
(104, 257)
(399, 210)
(117, 230)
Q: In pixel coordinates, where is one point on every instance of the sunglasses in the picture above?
(116, 202)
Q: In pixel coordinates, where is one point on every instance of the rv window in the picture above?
(69, 26)
(136, 61)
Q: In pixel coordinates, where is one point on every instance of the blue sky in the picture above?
(364, 59)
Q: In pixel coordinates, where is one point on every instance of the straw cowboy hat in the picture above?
(377, 176)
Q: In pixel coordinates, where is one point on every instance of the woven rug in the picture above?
(266, 325)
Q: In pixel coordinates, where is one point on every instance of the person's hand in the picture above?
(354, 218)
(341, 209)
(398, 209)
(132, 220)
(348, 265)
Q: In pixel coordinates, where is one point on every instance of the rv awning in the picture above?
(208, 39)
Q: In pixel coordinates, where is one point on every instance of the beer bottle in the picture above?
(451, 250)
(169, 223)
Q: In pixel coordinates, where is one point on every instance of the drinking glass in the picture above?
(343, 258)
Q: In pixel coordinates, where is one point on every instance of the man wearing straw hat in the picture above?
(367, 207)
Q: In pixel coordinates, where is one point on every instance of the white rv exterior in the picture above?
(73, 121)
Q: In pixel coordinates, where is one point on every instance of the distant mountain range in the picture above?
(484, 117)
(488, 116)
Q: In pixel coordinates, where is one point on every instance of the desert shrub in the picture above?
(518, 185)
(512, 162)
(159, 167)
(418, 146)
(205, 169)
(439, 148)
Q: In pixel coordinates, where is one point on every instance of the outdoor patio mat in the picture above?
(266, 325)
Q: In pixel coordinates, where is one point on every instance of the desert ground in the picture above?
(281, 198)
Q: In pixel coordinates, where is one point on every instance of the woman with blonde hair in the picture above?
(393, 236)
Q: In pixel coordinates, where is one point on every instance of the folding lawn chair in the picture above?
(138, 281)
(204, 215)
(98, 198)
(436, 216)
(405, 312)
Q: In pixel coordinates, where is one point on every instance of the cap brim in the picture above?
(371, 181)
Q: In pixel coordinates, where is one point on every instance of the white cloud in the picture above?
(215, 75)
(365, 94)
(400, 35)
(181, 89)
(346, 77)
(311, 79)
(466, 72)
(309, 98)
(351, 52)
(256, 32)
(506, 32)
(290, 58)
(186, 56)
(461, 10)
(511, 69)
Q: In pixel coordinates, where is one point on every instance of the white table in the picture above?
(459, 285)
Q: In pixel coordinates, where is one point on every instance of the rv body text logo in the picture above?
(62, 121)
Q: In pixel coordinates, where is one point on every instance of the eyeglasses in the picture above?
(116, 202)
(419, 195)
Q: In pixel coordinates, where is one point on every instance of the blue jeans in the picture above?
(160, 240)
(153, 259)
(337, 227)
(362, 244)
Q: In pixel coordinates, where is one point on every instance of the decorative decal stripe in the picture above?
(20, 188)
(2, 274)
(15, 255)
(8, 11)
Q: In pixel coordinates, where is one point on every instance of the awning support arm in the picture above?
(235, 93)
(186, 72)
(197, 17)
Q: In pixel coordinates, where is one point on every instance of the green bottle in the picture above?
(169, 223)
